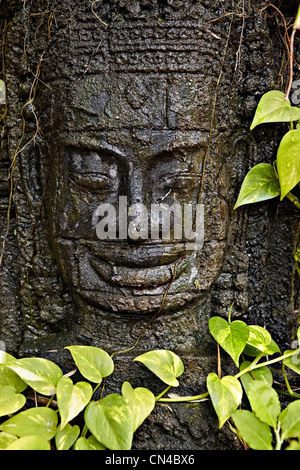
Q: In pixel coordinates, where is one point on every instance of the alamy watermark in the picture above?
(163, 222)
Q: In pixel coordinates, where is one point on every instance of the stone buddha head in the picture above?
(137, 164)
(136, 135)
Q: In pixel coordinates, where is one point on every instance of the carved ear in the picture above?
(29, 164)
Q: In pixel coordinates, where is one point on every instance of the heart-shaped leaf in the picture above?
(141, 401)
(110, 421)
(226, 395)
(40, 374)
(262, 373)
(292, 362)
(30, 443)
(89, 443)
(273, 107)
(34, 421)
(163, 363)
(255, 433)
(72, 399)
(65, 438)
(10, 401)
(260, 341)
(9, 378)
(232, 337)
(288, 162)
(264, 402)
(260, 184)
(93, 363)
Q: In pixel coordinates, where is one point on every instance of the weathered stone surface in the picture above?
(151, 100)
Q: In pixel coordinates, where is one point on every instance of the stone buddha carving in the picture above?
(137, 111)
(135, 133)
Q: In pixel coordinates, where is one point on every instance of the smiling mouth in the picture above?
(144, 266)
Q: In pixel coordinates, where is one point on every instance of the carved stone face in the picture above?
(143, 138)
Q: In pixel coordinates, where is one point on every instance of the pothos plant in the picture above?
(265, 180)
(110, 422)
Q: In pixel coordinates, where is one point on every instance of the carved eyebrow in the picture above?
(94, 145)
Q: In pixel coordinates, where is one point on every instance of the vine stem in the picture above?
(183, 399)
(267, 363)
(295, 28)
(162, 393)
(252, 366)
(294, 200)
(291, 392)
(278, 438)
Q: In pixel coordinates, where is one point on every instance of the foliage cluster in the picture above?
(111, 421)
(266, 181)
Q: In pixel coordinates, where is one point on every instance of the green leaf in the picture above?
(65, 438)
(292, 362)
(297, 19)
(34, 421)
(30, 443)
(141, 401)
(273, 107)
(81, 444)
(111, 422)
(293, 445)
(6, 358)
(263, 374)
(2, 92)
(260, 341)
(163, 363)
(10, 401)
(264, 402)
(93, 363)
(40, 374)
(6, 439)
(94, 444)
(9, 378)
(288, 162)
(89, 443)
(256, 434)
(72, 399)
(260, 184)
(232, 337)
(290, 420)
(226, 395)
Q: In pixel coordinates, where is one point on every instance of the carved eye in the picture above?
(179, 182)
(96, 182)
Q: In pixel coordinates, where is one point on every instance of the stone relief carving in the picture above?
(144, 100)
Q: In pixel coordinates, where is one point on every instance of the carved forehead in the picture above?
(147, 68)
(110, 101)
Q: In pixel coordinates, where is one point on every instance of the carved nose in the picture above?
(138, 221)
(136, 186)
